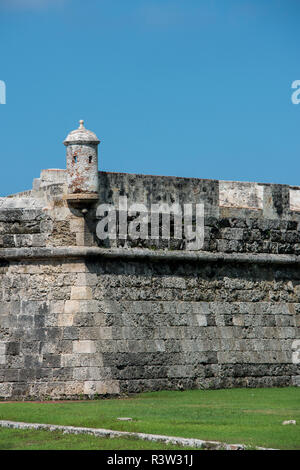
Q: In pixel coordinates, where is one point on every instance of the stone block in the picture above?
(56, 390)
(71, 307)
(6, 390)
(77, 225)
(80, 373)
(29, 307)
(57, 306)
(71, 332)
(108, 387)
(89, 333)
(73, 388)
(5, 308)
(88, 279)
(88, 306)
(2, 359)
(51, 320)
(296, 380)
(233, 233)
(65, 319)
(81, 293)
(11, 375)
(2, 348)
(173, 282)
(84, 347)
(76, 267)
(201, 320)
(105, 332)
(80, 239)
(51, 360)
(84, 320)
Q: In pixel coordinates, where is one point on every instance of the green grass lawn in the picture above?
(16, 439)
(246, 416)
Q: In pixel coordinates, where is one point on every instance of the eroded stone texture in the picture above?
(89, 325)
(185, 325)
(145, 326)
(82, 161)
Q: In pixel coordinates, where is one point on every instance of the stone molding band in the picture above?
(23, 254)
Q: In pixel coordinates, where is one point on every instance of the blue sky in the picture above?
(171, 87)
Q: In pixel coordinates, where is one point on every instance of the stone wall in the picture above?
(108, 326)
(49, 325)
(205, 325)
(239, 217)
(80, 318)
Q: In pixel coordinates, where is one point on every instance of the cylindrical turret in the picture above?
(82, 161)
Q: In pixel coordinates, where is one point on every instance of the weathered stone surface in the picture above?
(84, 347)
(80, 316)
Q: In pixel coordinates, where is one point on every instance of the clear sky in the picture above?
(197, 88)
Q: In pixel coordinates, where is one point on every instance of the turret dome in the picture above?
(81, 135)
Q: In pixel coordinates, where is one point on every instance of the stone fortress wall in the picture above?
(80, 317)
